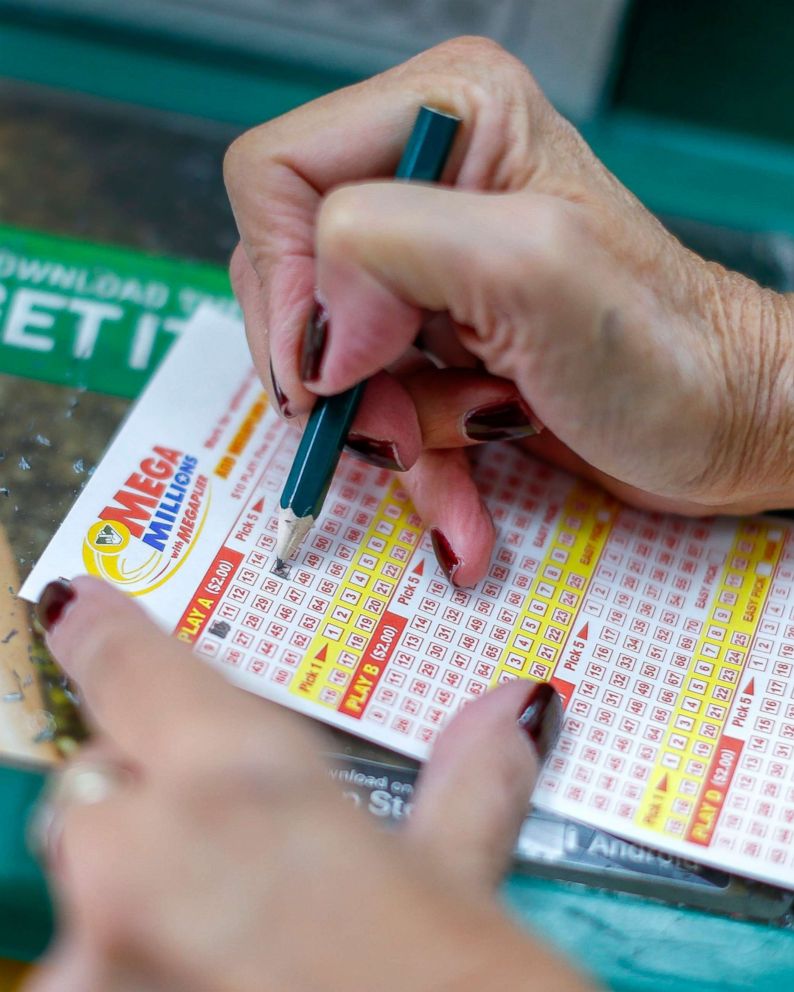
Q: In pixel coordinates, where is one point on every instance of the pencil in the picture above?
(326, 431)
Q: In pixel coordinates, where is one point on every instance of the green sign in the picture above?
(92, 316)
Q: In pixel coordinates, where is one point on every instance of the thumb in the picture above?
(386, 252)
(474, 792)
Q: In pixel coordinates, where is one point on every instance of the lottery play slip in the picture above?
(670, 640)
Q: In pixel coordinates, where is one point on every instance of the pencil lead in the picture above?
(281, 568)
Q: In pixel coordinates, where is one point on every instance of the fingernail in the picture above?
(383, 454)
(447, 558)
(281, 399)
(541, 717)
(54, 600)
(314, 341)
(499, 422)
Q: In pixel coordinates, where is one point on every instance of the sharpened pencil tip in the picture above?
(291, 531)
(281, 568)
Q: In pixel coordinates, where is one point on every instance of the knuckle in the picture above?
(242, 155)
(483, 61)
(254, 154)
(497, 96)
(238, 269)
(549, 219)
(552, 241)
(340, 220)
(469, 48)
(235, 158)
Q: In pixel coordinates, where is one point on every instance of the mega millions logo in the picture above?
(147, 531)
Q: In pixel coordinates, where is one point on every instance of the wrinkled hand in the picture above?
(228, 862)
(548, 292)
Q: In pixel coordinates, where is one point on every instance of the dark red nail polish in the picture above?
(447, 558)
(499, 422)
(314, 341)
(54, 600)
(281, 399)
(541, 717)
(383, 454)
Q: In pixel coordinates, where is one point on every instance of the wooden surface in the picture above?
(11, 975)
(24, 724)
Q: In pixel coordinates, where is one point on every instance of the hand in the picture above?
(556, 299)
(228, 861)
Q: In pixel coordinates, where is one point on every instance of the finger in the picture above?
(388, 251)
(458, 407)
(154, 699)
(276, 360)
(474, 792)
(386, 430)
(440, 339)
(459, 523)
(430, 408)
(420, 406)
(247, 288)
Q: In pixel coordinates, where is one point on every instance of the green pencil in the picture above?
(329, 423)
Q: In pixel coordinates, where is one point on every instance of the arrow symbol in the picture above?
(420, 568)
(322, 653)
(584, 632)
(749, 689)
(259, 507)
(662, 786)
